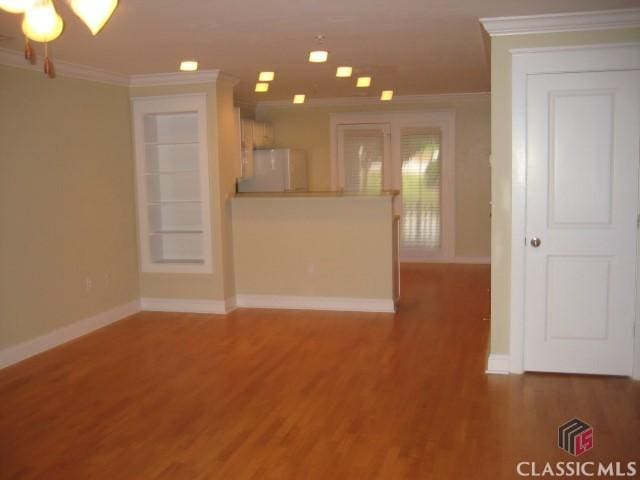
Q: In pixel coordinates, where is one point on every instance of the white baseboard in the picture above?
(186, 305)
(230, 304)
(498, 364)
(29, 348)
(462, 260)
(344, 304)
(636, 356)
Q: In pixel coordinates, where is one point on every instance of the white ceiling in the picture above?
(410, 46)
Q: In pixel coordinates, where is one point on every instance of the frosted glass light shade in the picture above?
(94, 13)
(15, 6)
(41, 22)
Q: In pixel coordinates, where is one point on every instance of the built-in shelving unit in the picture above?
(173, 194)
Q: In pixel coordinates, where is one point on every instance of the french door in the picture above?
(411, 153)
(364, 155)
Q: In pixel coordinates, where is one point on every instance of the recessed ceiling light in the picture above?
(188, 66)
(318, 56)
(266, 76)
(363, 82)
(299, 98)
(343, 72)
(386, 95)
(262, 87)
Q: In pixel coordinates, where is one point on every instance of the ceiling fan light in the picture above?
(94, 13)
(15, 6)
(41, 22)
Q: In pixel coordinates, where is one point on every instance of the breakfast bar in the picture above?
(319, 250)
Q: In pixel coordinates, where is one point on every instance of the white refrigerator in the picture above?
(276, 170)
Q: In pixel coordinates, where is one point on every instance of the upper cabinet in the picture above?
(172, 183)
(262, 135)
(246, 154)
(253, 135)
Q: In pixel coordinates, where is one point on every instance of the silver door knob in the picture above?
(535, 242)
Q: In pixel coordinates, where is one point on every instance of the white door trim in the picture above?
(587, 58)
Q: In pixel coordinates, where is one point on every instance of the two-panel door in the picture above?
(581, 221)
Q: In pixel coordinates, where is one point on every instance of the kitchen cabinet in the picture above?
(246, 152)
(262, 135)
(253, 135)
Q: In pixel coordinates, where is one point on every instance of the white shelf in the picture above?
(170, 172)
(180, 260)
(169, 144)
(173, 202)
(172, 232)
(171, 128)
(173, 184)
(171, 157)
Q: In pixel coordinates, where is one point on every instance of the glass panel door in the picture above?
(420, 154)
(363, 157)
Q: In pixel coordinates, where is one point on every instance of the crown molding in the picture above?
(176, 78)
(355, 101)
(14, 58)
(562, 22)
(225, 77)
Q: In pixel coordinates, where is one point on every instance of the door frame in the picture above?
(532, 61)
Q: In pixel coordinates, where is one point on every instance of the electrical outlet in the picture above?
(88, 284)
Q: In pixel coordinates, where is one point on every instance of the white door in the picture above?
(582, 205)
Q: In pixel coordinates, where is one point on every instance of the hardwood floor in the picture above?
(267, 394)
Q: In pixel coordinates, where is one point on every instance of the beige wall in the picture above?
(327, 247)
(229, 158)
(307, 128)
(66, 202)
(218, 285)
(501, 168)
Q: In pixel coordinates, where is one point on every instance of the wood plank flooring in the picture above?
(267, 394)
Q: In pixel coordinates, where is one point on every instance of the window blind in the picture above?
(421, 188)
(363, 151)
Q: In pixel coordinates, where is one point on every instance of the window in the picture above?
(412, 152)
